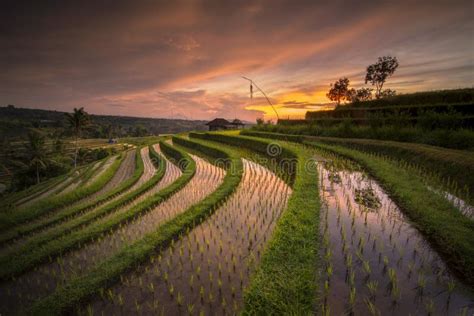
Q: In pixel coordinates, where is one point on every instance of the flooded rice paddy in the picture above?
(206, 270)
(45, 278)
(375, 261)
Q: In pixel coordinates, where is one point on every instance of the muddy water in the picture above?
(207, 270)
(45, 278)
(375, 262)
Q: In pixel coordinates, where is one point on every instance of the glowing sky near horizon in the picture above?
(185, 59)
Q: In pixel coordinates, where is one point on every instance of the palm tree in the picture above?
(36, 152)
(77, 120)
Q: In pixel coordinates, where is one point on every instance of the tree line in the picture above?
(376, 75)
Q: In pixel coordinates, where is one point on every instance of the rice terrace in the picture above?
(237, 158)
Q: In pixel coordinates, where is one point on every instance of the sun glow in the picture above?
(292, 105)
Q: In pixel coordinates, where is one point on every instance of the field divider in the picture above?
(80, 209)
(10, 267)
(9, 200)
(285, 282)
(108, 271)
(82, 177)
(449, 232)
(50, 204)
(84, 219)
(439, 164)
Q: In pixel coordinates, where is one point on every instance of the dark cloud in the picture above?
(159, 58)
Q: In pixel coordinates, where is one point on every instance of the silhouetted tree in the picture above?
(388, 93)
(380, 71)
(36, 152)
(362, 94)
(339, 91)
(260, 121)
(77, 120)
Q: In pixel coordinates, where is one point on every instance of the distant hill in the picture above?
(15, 123)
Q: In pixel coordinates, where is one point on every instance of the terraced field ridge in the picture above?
(77, 262)
(110, 189)
(207, 269)
(245, 222)
(375, 260)
(45, 228)
(55, 203)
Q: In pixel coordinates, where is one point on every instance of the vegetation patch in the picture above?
(440, 166)
(77, 210)
(449, 231)
(51, 204)
(110, 270)
(286, 280)
(78, 237)
(368, 198)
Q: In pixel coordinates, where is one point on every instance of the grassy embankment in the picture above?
(441, 167)
(30, 255)
(68, 213)
(65, 228)
(449, 232)
(438, 118)
(50, 204)
(82, 173)
(286, 280)
(110, 270)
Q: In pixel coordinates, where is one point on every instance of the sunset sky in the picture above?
(185, 59)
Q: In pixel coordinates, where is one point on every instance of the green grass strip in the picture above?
(450, 233)
(109, 271)
(259, 146)
(10, 267)
(33, 191)
(53, 203)
(82, 208)
(78, 210)
(285, 282)
(448, 163)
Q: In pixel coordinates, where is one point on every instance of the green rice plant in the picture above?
(75, 238)
(421, 284)
(450, 285)
(430, 307)
(352, 298)
(366, 267)
(441, 223)
(372, 287)
(371, 307)
(68, 213)
(190, 309)
(325, 310)
(292, 288)
(329, 271)
(54, 203)
(79, 288)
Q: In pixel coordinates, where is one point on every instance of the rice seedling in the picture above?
(223, 284)
(87, 257)
(371, 307)
(384, 231)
